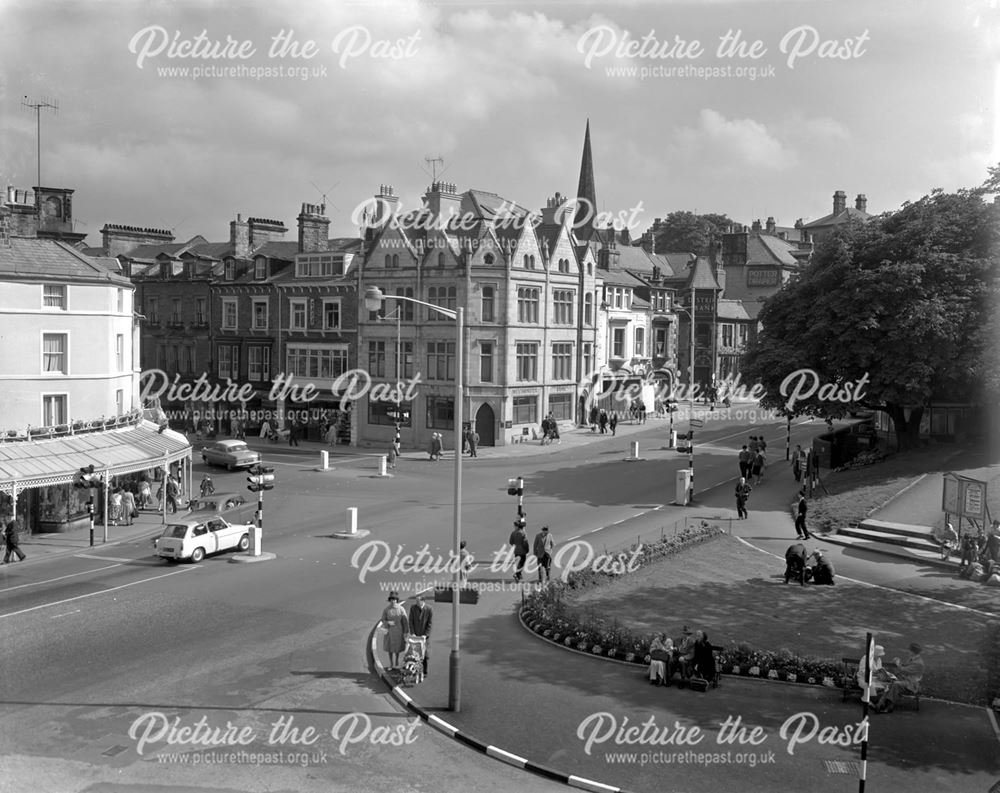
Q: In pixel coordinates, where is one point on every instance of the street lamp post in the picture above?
(373, 301)
(398, 311)
(690, 316)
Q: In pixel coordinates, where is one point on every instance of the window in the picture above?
(260, 306)
(561, 406)
(588, 359)
(564, 265)
(229, 361)
(54, 296)
(172, 355)
(488, 302)
(440, 413)
(260, 268)
(153, 311)
(161, 356)
(527, 265)
(54, 353)
(376, 358)
(486, 361)
(331, 314)
(120, 302)
(201, 316)
(380, 412)
(527, 305)
(395, 260)
(562, 361)
(619, 297)
(590, 268)
(120, 352)
(175, 311)
(527, 361)
(444, 296)
(388, 260)
(406, 359)
(588, 309)
(525, 409)
(230, 271)
(299, 310)
(441, 360)
(743, 331)
(327, 362)
(639, 349)
(618, 342)
(53, 409)
(229, 313)
(405, 308)
(188, 360)
(319, 265)
(727, 335)
(259, 363)
(660, 342)
(441, 259)
(562, 302)
(119, 401)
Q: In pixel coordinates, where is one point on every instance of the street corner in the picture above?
(249, 558)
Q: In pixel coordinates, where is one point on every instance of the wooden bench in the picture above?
(849, 681)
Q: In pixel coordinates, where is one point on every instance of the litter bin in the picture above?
(683, 486)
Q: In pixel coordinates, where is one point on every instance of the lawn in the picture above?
(737, 595)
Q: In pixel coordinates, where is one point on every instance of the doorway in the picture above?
(486, 425)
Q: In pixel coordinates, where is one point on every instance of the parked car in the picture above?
(232, 454)
(232, 505)
(196, 538)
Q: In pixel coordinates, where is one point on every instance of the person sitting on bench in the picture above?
(907, 680)
(880, 678)
(685, 653)
(661, 660)
(704, 657)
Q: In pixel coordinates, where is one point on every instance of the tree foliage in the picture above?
(907, 301)
(686, 232)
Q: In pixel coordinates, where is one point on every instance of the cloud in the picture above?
(720, 143)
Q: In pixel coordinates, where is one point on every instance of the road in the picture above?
(104, 651)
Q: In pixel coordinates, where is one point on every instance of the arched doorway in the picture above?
(486, 425)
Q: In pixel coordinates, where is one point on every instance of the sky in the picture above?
(182, 115)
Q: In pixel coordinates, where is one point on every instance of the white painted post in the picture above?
(324, 460)
(634, 450)
(382, 463)
(352, 520)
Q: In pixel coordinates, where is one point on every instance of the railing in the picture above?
(102, 424)
(723, 521)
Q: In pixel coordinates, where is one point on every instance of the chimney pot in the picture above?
(861, 202)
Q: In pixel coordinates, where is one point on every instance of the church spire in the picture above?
(586, 193)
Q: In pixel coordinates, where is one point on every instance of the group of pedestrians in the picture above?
(753, 459)
(542, 548)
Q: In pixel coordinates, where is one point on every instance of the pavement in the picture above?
(554, 699)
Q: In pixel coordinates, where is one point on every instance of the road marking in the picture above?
(102, 558)
(60, 578)
(64, 614)
(91, 594)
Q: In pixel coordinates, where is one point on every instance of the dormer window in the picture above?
(230, 270)
(260, 268)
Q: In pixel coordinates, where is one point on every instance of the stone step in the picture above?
(904, 529)
(891, 538)
(918, 555)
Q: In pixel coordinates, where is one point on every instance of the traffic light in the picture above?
(515, 487)
(261, 478)
(86, 478)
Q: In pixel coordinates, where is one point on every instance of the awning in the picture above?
(29, 464)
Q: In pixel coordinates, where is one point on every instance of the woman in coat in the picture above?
(397, 627)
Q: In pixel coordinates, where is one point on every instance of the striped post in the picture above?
(691, 464)
(788, 437)
(864, 721)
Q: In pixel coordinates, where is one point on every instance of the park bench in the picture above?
(849, 681)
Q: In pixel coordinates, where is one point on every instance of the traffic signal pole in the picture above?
(260, 479)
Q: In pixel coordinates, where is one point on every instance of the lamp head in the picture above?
(373, 298)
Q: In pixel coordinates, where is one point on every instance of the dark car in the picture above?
(233, 506)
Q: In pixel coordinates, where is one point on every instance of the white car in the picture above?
(194, 539)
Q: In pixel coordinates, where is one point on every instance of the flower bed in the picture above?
(546, 613)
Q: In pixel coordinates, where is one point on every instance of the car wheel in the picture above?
(197, 555)
(229, 466)
(244, 543)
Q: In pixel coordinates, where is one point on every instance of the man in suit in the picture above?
(795, 563)
(421, 617)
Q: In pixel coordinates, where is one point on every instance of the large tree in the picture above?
(905, 304)
(686, 232)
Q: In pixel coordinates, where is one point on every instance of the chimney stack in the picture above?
(314, 228)
(239, 237)
(770, 225)
(861, 203)
(839, 202)
(756, 225)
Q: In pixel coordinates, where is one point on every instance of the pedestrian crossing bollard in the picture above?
(383, 462)
(634, 450)
(673, 439)
(352, 520)
(324, 460)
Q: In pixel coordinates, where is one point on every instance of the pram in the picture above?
(413, 660)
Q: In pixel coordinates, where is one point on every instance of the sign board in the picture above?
(697, 423)
(508, 424)
(964, 496)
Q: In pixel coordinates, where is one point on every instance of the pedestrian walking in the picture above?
(465, 563)
(437, 446)
(544, 545)
(642, 412)
(173, 490)
(396, 625)
(800, 519)
(145, 493)
(421, 620)
(392, 456)
(744, 460)
(129, 512)
(602, 421)
(10, 535)
(116, 506)
(473, 443)
(519, 539)
(594, 417)
(207, 486)
(742, 494)
(752, 445)
(293, 433)
(613, 423)
(757, 467)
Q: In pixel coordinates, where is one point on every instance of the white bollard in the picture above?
(383, 462)
(634, 450)
(255, 541)
(352, 520)
(673, 439)
(324, 461)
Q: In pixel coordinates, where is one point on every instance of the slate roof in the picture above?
(765, 249)
(732, 309)
(620, 277)
(701, 275)
(836, 218)
(32, 257)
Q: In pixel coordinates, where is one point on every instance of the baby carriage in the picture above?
(413, 660)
